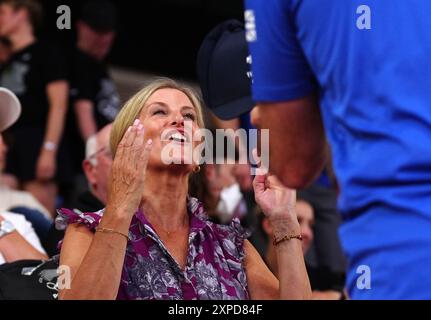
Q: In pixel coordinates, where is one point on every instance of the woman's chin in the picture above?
(179, 166)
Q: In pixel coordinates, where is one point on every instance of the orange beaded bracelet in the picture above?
(286, 238)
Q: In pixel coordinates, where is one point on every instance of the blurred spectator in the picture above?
(18, 241)
(10, 198)
(36, 73)
(96, 165)
(20, 201)
(5, 50)
(94, 96)
(224, 188)
(220, 188)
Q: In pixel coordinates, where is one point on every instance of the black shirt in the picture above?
(91, 81)
(27, 74)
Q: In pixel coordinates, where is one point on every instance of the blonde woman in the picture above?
(153, 241)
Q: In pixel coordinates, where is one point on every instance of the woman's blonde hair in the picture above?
(132, 109)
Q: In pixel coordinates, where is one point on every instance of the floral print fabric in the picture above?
(214, 269)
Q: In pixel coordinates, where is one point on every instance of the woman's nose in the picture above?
(178, 120)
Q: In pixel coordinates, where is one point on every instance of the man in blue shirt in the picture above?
(362, 70)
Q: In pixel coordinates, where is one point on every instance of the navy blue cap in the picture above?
(224, 71)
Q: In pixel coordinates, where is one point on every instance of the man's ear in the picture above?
(89, 171)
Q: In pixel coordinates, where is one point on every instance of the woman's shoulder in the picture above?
(74, 216)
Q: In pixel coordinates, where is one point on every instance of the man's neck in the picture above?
(22, 38)
(81, 47)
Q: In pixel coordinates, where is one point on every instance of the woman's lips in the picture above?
(176, 135)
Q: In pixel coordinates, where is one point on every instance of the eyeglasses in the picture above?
(105, 150)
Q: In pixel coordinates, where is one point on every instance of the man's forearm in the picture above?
(14, 247)
(84, 114)
(57, 94)
(297, 140)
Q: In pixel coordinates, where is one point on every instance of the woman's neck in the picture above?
(165, 199)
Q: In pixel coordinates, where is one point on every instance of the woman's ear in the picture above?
(89, 171)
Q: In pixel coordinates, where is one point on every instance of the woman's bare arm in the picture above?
(262, 284)
(278, 204)
(96, 261)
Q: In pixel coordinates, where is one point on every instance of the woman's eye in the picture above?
(159, 112)
(191, 116)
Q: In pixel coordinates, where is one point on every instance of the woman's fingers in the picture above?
(132, 134)
(259, 183)
(137, 147)
(125, 152)
(256, 158)
(121, 146)
(145, 156)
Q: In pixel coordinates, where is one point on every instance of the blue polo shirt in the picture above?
(370, 63)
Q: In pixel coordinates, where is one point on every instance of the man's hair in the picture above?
(33, 7)
(91, 149)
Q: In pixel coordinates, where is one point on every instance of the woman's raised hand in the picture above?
(277, 202)
(126, 183)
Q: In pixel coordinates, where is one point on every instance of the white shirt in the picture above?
(25, 229)
(12, 198)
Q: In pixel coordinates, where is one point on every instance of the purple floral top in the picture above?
(214, 269)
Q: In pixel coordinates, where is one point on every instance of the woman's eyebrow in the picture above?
(188, 108)
(162, 104)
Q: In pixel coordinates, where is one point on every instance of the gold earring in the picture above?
(197, 169)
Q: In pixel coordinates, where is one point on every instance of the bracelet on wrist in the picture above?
(276, 241)
(49, 146)
(112, 231)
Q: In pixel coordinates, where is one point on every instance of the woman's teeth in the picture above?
(178, 137)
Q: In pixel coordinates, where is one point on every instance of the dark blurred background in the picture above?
(156, 36)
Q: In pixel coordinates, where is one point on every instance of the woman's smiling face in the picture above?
(170, 120)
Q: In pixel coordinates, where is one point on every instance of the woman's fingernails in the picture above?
(136, 122)
(150, 142)
(129, 129)
(140, 126)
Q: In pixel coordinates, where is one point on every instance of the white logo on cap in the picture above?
(250, 26)
(249, 73)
